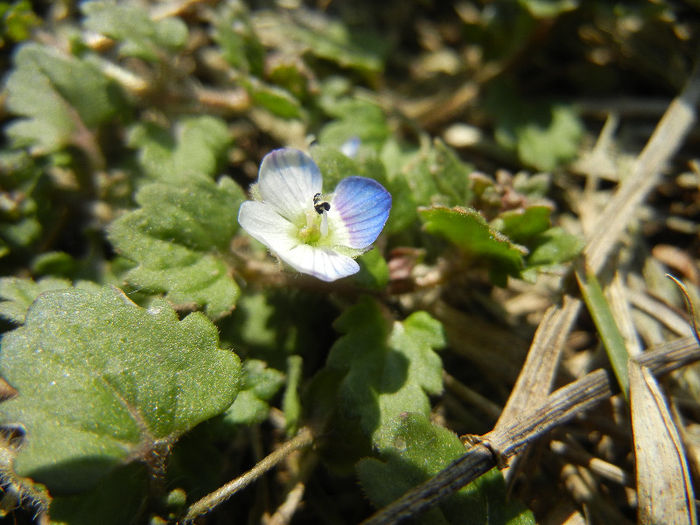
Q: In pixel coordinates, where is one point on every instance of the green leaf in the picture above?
(554, 246)
(138, 35)
(258, 385)
(16, 21)
(468, 230)
(355, 117)
(436, 175)
(546, 145)
(522, 225)
(194, 145)
(179, 238)
(610, 334)
(116, 499)
(236, 36)
(319, 35)
(418, 450)
(390, 368)
(291, 403)
(21, 200)
(16, 295)
(58, 96)
(275, 99)
(544, 135)
(374, 271)
(103, 382)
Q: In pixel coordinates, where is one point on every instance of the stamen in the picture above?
(324, 223)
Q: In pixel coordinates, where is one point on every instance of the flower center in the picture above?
(316, 226)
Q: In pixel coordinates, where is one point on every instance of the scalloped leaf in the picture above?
(16, 295)
(179, 238)
(315, 33)
(102, 382)
(194, 145)
(418, 450)
(59, 96)
(389, 368)
(132, 26)
(545, 135)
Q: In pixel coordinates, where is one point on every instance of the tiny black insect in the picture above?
(320, 206)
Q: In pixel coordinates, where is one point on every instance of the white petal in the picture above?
(263, 223)
(350, 147)
(288, 180)
(363, 205)
(322, 263)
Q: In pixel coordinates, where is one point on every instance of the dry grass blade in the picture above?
(663, 144)
(664, 490)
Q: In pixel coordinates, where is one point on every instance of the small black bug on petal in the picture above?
(320, 206)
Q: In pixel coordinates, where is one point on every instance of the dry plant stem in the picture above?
(499, 445)
(302, 440)
(660, 311)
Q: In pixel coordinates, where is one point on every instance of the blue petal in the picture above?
(288, 180)
(363, 204)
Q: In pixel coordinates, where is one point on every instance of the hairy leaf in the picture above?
(179, 238)
(418, 450)
(103, 382)
(195, 145)
(59, 96)
(131, 25)
(390, 368)
(522, 225)
(468, 230)
(319, 35)
(554, 246)
(16, 295)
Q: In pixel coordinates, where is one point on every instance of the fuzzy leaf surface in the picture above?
(178, 238)
(390, 368)
(418, 450)
(194, 145)
(468, 230)
(16, 295)
(58, 96)
(102, 382)
(133, 28)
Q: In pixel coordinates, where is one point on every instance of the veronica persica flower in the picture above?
(313, 232)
